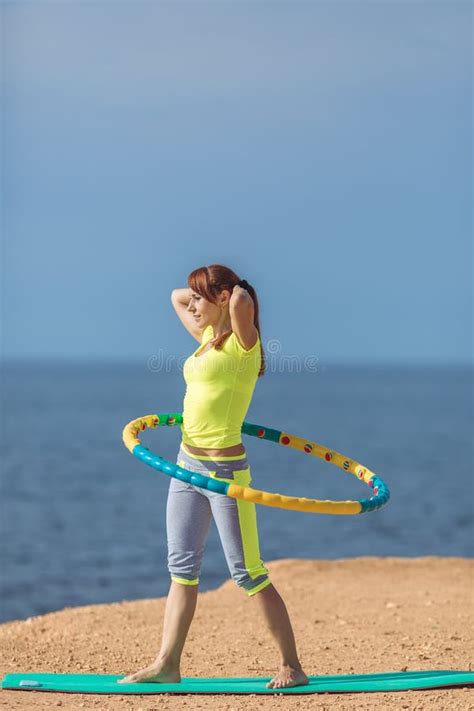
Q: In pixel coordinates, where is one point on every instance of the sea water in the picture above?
(83, 521)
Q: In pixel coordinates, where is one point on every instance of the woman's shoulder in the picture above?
(238, 347)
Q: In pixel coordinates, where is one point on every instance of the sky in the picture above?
(322, 150)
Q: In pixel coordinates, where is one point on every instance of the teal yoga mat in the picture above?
(107, 683)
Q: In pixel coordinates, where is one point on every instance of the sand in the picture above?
(360, 615)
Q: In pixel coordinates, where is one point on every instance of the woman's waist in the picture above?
(236, 450)
(220, 466)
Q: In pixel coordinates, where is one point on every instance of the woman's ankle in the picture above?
(167, 661)
(293, 665)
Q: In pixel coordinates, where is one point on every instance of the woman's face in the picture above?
(204, 312)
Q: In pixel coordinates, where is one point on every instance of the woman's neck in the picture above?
(222, 326)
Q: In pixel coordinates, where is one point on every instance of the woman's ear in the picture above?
(225, 297)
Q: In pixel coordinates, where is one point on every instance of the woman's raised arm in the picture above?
(180, 299)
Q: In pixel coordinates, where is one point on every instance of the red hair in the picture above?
(209, 282)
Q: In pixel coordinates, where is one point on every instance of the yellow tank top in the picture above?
(219, 388)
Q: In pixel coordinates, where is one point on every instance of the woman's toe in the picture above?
(130, 679)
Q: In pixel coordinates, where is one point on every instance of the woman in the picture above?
(221, 312)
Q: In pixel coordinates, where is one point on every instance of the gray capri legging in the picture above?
(189, 510)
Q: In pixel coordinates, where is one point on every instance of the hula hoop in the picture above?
(265, 498)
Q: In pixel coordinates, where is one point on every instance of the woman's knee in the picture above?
(251, 580)
(251, 587)
(184, 565)
(186, 574)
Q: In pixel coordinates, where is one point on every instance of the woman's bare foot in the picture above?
(288, 676)
(158, 672)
